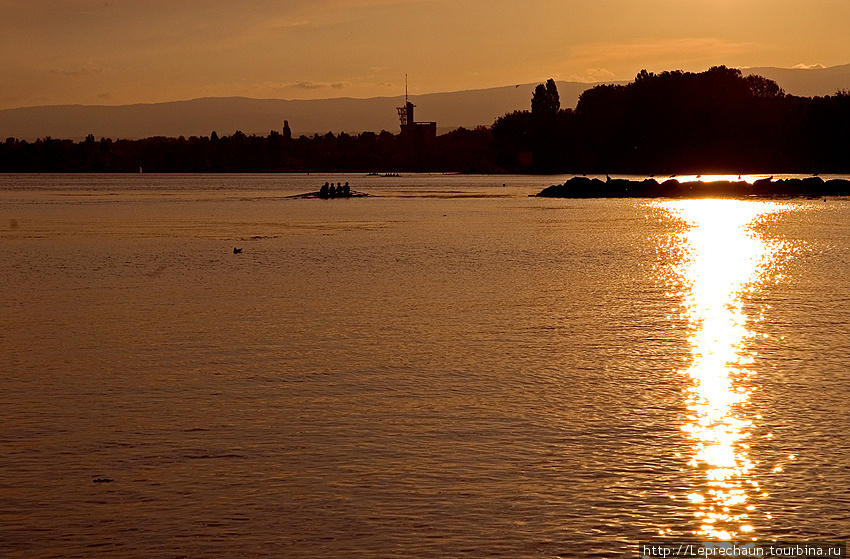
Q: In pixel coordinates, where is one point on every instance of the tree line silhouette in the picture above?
(674, 122)
(460, 150)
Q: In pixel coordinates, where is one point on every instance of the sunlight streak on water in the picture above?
(721, 260)
(712, 178)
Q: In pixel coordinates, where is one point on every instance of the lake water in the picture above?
(448, 368)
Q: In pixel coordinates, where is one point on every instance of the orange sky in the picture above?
(143, 51)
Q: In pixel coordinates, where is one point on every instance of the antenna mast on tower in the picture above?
(414, 133)
(405, 113)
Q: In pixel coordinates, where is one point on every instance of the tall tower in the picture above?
(405, 113)
(416, 133)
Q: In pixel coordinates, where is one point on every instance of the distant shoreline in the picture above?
(583, 187)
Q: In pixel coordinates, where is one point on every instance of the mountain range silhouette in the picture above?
(226, 115)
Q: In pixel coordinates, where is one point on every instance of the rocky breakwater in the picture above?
(583, 187)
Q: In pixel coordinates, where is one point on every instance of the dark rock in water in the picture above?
(618, 186)
(837, 187)
(583, 187)
(669, 188)
(554, 191)
(763, 187)
(813, 183)
(576, 187)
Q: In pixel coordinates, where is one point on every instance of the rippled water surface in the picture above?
(448, 368)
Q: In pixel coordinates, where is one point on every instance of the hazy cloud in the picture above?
(359, 87)
(280, 24)
(593, 75)
(376, 3)
(305, 85)
(690, 47)
(809, 67)
(301, 13)
(85, 69)
(315, 85)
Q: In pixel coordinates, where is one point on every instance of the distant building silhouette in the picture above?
(412, 131)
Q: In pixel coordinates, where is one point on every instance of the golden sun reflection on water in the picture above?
(720, 259)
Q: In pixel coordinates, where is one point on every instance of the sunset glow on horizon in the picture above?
(121, 52)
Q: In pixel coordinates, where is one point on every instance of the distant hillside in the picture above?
(713, 122)
(813, 82)
(225, 115)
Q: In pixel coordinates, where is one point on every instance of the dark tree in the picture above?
(716, 120)
(546, 100)
(512, 141)
(538, 141)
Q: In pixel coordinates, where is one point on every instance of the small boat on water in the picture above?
(328, 191)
